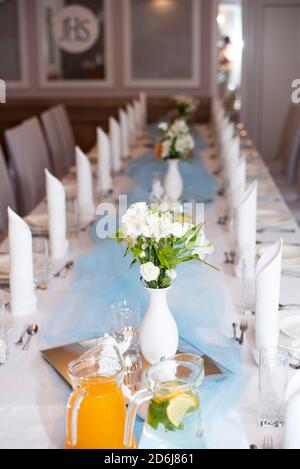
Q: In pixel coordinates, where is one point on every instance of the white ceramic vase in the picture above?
(158, 333)
(173, 181)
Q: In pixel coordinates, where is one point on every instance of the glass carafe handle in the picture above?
(73, 407)
(138, 399)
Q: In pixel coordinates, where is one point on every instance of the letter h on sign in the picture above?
(2, 92)
(75, 29)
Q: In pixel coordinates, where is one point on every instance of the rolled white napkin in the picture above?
(86, 206)
(244, 215)
(268, 275)
(56, 199)
(124, 134)
(138, 118)
(237, 184)
(115, 141)
(226, 131)
(230, 159)
(22, 295)
(104, 162)
(144, 107)
(131, 125)
(292, 424)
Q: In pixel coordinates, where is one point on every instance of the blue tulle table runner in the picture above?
(103, 276)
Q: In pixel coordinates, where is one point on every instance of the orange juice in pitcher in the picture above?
(96, 409)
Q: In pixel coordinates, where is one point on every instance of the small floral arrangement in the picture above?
(176, 141)
(159, 242)
(185, 106)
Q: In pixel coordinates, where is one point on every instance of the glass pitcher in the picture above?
(96, 409)
(173, 419)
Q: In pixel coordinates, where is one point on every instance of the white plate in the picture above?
(8, 322)
(4, 266)
(267, 188)
(71, 189)
(284, 340)
(38, 221)
(290, 326)
(272, 217)
(290, 254)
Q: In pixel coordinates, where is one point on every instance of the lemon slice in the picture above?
(179, 406)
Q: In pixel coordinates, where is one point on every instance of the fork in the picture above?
(64, 270)
(268, 442)
(243, 328)
(274, 229)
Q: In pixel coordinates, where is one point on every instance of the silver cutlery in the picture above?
(274, 229)
(31, 331)
(86, 227)
(133, 369)
(258, 242)
(268, 442)
(64, 270)
(243, 328)
(290, 273)
(295, 366)
(287, 306)
(234, 326)
(222, 220)
(20, 341)
(229, 257)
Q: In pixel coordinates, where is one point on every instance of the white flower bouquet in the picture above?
(159, 242)
(185, 105)
(176, 141)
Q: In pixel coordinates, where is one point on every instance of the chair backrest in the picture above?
(7, 196)
(37, 143)
(27, 163)
(55, 146)
(288, 150)
(66, 133)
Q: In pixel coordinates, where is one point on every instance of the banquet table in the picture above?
(33, 396)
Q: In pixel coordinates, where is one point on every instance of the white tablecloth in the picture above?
(33, 397)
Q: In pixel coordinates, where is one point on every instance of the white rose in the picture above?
(163, 126)
(171, 274)
(166, 146)
(149, 272)
(179, 229)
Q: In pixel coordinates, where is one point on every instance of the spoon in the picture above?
(20, 341)
(31, 330)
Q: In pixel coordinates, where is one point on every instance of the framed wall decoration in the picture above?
(75, 43)
(151, 62)
(13, 70)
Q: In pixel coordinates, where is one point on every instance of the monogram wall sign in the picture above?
(76, 29)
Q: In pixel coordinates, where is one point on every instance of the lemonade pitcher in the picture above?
(173, 419)
(96, 409)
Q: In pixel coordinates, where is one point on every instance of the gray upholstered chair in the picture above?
(7, 196)
(288, 150)
(55, 145)
(28, 160)
(66, 133)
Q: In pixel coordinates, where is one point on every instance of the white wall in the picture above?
(271, 63)
(118, 88)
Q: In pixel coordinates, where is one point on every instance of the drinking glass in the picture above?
(3, 334)
(248, 288)
(72, 219)
(125, 320)
(273, 378)
(40, 262)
